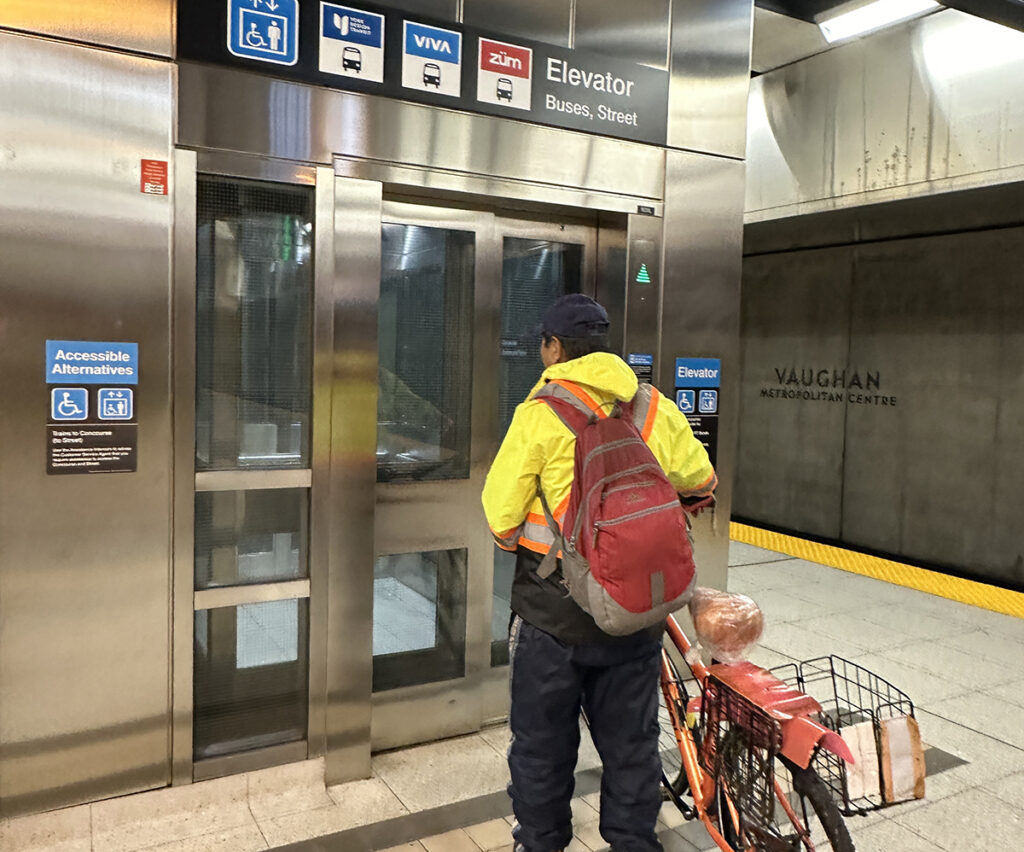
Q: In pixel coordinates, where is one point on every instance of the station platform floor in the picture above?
(961, 665)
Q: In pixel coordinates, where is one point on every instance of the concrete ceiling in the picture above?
(785, 32)
(1009, 13)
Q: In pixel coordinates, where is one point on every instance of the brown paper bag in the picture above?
(902, 760)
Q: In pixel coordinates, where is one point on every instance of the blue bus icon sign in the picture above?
(264, 30)
(69, 404)
(115, 404)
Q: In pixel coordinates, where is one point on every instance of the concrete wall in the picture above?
(882, 396)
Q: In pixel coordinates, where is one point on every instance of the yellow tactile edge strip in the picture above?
(898, 573)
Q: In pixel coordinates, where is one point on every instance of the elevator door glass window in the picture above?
(534, 273)
(251, 677)
(419, 618)
(254, 301)
(425, 338)
(254, 292)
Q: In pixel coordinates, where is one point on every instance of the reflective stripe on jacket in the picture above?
(540, 448)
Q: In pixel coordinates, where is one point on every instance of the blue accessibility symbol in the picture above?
(69, 404)
(709, 402)
(686, 400)
(115, 403)
(265, 30)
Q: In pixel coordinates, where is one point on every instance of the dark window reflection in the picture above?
(501, 603)
(534, 274)
(245, 537)
(254, 286)
(251, 677)
(426, 344)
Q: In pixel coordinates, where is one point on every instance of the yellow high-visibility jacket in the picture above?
(539, 448)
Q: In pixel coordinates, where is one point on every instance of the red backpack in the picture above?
(626, 556)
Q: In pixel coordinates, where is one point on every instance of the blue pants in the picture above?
(616, 685)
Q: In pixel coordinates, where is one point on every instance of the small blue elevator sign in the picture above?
(264, 30)
(698, 372)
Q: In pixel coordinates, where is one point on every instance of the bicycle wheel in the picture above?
(814, 805)
(673, 773)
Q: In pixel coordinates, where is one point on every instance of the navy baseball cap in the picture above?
(574, 315)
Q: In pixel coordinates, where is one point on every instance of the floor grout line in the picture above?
(972, 730)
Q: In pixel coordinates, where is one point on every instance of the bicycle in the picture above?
(739, 755)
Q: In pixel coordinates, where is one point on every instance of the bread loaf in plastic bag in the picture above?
(728, 625)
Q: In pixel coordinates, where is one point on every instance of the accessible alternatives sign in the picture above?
(387, 52)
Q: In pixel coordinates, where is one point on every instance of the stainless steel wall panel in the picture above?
(790, 456)
(353, 477)
(549, 22)
(641, 319)
(84, 560)
(710, 75)
(324, 293)
(235, 111)
(931, 106)
(146, 26)
(634, 32)
(701, 311)
(184, 346)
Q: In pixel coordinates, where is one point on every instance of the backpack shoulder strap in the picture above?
(642, 408)
(567, 402)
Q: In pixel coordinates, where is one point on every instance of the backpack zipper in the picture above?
(618, 488)
(598, 525)
(605, 479)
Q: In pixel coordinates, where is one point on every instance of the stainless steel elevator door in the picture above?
(461, 293)
(255, 281)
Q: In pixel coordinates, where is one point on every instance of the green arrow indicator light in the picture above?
(643, 276)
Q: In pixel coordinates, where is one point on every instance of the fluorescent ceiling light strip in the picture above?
(873, 16)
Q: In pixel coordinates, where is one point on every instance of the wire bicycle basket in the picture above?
(850, 695)
(739, 746)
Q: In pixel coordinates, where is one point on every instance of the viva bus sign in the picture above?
(383, 51)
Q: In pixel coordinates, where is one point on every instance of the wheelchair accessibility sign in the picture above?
(69, 404)
(264, 30)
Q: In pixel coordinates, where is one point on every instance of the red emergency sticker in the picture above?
(154, 177)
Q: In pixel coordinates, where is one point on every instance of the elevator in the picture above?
(351, 352)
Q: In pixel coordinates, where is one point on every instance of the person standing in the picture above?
(560, 661)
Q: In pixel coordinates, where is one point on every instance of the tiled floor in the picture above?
(961, 665)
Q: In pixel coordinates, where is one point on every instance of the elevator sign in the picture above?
(505, 74)
(697, 383)
(264, 30)
(88, 362)
(698, 372)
